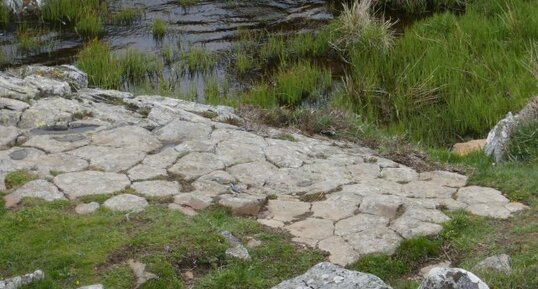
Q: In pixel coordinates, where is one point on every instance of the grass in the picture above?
(4, 15)
(127, 16)
(89, 26)
(448, 77)
(78, 250)
(27, 37)
(17, 178)
(70, 12)
(186, 2)
(524, 143)
(158, 28)
(197, 59)
(102, 69)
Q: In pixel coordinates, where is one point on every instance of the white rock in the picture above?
(126, 203)
(452, 278)
(157, 188)
(86, 183)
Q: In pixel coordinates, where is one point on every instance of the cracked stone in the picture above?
(157, 188)
(39, 189)
(86, 183)
(311, 230)
(144, 172)
(243, 205)
(196, 164)
(126, 203)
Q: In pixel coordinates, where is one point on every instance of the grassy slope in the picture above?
(77, 250)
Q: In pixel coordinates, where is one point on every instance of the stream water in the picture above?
(209, 24)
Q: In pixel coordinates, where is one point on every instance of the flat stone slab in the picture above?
(39, 189)
(126, 203)
(8, 136)
(84, 209)
(87, 183)
(157, 188)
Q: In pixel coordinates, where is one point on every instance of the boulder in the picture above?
(465, 148)
(329, 276)
(19, 281)
(498, 139)
(500, 263)
(451, 278)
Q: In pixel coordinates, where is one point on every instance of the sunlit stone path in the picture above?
(336, 196)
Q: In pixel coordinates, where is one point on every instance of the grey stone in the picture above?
(359, 223)
(425, 270)
(196, 164)
(109, 159)
(157, 188)
(84, 209)
(443, 178)
(19, 281)
(40, 189)
(374, 240)
(426, 189)
(9, 117)
(144, 172)
(341, 253)
(329, 276)
(126, 203)
(409, 227)
(311, 230)
(236, 250)
(194, 201)
(243, 205)
(127, 137)
(399, 175)
(382, 205)
(8, 136)
(254, 174)
(16, 88)
(500, 263)
(287, 211)
(178, 131)
(51, 112)
(95, 286)
(59, 163)
(139, 270)
(86, 183)
(75, 77)
(162, 159)
(480, 195)
(56, 144)
(451, 278)
(13, 104)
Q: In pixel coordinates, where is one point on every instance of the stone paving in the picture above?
(332, 195)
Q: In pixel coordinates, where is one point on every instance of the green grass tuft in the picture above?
(4, 15)
(17, 178)
(197, 59)
(127, 16)
(158, 28)
(103, 71)
(89, 26)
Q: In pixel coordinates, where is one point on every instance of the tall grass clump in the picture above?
(357, 25)
(103, 70)
(4, 15)
(137, 66)
(127, 16)
(27, 38)
(448, 77)
(70, 12)
(89, 26)
(158, 28)
(197, 59)
(524, 143)
(419, 7)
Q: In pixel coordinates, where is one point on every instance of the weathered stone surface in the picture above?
(284, 154)
(236, 250)
(489, 210)
(286, 211)
(13, 104)
(374, 240)
(311, 230)
(8, 136)
(139, 270)
(86, 183)
(425, 189)
(196, 164)
(254, 174)
(162, 159)
(9, 117)
(443, 178)
(187, 211)
(382, 205)
(59, 163)
(16, 88)
(329, 276)
(95, 286)
(194, 201)
(359, 223)
(334, 209)
(500, 263)
(425, 215)
(19, 281)
(399, 175)
(232, 152)
(126, 203)
(39, 189)
(144, 172)
(480, 195)
(425, 270)
(409, 227)
(57, 143)
(341, 253)
(451, 278)
(178, 131)
(128, 137)
(243, 205)
(109, 159)
(157, 188)
(51, 112)
(84, 209)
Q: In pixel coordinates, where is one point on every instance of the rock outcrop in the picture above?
(332, 195)
(329, 276)
(451, 278)
(498, 139)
